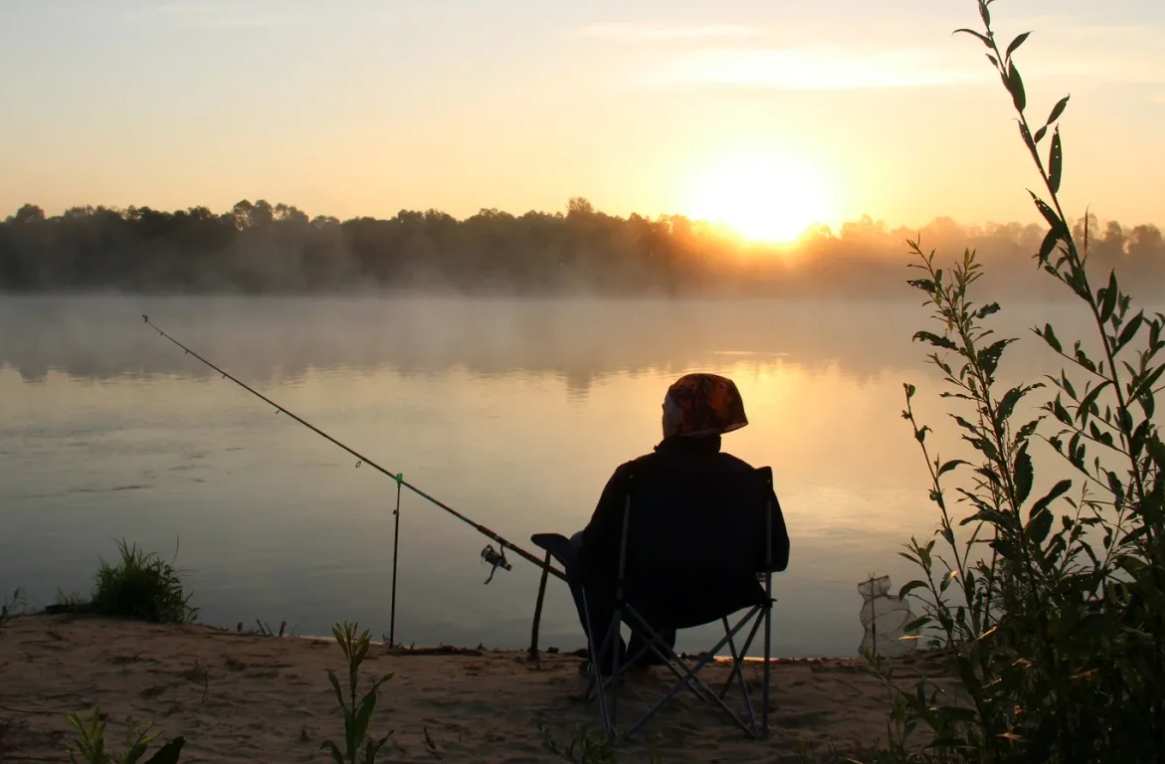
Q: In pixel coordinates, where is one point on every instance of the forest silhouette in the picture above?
(257, 248)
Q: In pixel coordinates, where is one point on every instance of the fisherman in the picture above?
(697, 410)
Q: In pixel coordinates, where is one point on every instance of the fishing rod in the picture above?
(496, 558)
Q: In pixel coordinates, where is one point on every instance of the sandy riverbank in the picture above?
(238, 697)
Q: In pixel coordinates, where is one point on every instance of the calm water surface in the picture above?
(514, 412)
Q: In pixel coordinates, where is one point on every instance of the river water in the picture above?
(514, 412)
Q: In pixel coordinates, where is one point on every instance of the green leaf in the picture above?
(991, 475)
(364, 716)
(990, 355)
(1107, 297)
(1049, 215)
(1076, 452)
(1037, 530)
(1023, 131)
(1050, 240)
(1102, 436)
(958, 714)
(1124, 419)
(1024, 474)
(1089, 400)
(982, 37)
(1055, 162)
(1007, 403)
(374, 747)
(970, 427)
(134, 753)
(1049, 336)
(936, 340)
(987, 310)
(952, 464)
(1028, 430)
(331, 748)
(1083, 359)
(908, 588)
(1143, 388)
(987, 447)
(1016, 43)
(1058, 490)
(924, 556)
(336, 687)
(1041, 133)
(1015, 87)
(1130, 330)
(1117, 488)
(1137, 440)
(169, 753)
(1157, 451)
(915, 625)
(1058, 109)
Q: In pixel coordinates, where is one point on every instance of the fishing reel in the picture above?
(495, 560)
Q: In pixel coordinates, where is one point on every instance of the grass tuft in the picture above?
(142, 586)
(10, 608)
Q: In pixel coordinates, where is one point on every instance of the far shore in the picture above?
(239, 697)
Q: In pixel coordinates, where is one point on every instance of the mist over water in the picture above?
(514, 411)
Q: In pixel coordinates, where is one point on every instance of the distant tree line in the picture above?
(260, 248)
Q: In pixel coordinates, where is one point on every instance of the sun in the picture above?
(765, 199)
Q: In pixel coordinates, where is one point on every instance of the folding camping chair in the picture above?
(679, 569)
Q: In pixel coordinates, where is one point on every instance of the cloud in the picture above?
(221, 15)
(815, 68)
(641, 33)
(1062, 47)
(1071, 47)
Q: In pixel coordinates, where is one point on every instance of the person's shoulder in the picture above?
(646, 460)
(622, 476)
(734, 463)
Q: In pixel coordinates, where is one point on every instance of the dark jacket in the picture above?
(598, 552)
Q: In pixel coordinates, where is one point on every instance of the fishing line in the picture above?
(495, 558)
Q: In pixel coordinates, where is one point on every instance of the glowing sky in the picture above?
(358, 107)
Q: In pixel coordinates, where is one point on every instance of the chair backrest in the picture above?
(688, 527)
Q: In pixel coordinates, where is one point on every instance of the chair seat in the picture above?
(677, 605)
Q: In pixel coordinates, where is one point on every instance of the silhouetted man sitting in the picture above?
(697, 410)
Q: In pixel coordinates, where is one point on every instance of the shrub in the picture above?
(142, 586)
(1048, 605)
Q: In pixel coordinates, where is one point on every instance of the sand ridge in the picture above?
(239, 697)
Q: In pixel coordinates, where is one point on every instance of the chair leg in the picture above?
(738, 670)
(613, 645)
(664, 652)
(597, 682)
(768, 616)
(691, 674)
(744, 651)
